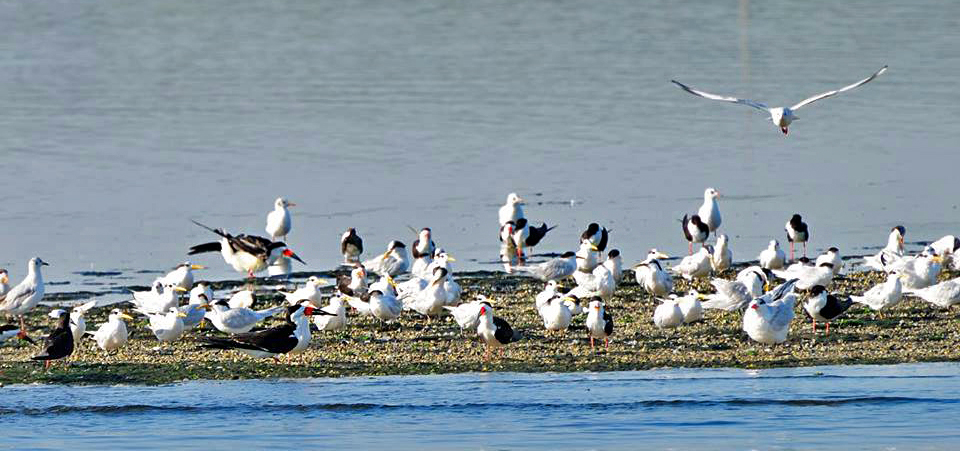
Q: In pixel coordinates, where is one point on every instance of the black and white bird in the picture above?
(78, 325)
(59, 344)
(709, 211)
(780, 116)
(293, 334)
(651, 276)
(526, 236)
(596, 235)
(27, 294)
(278, 220)
(245, 253)
(824, 307)
(599, 322)
(355, 285)
(553, 269)
(351, 246)
(694, 230)
(797, 232)
(423, 246)
(467, 315)
(494, 331)
(832, 256)
(393, 262)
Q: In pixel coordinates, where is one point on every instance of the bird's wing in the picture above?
(838, 91)
(251, 244)
(782, 312)
(16, 296)
(707, 95)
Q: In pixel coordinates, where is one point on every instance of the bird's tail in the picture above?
(217, 231)
(205, 247)
(218, 343)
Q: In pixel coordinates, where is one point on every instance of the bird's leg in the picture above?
(828, 327)
(591, 342)
(23, 326)
(46, 365)
(486, 353)
(814, 327)
(791, 251)
(606, 342)
(690, 248)
(804, 248)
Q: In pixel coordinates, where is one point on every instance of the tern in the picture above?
(393, 262)
(767, 320)
(237, 320)
(182, 275)
(651, 276)
(772, 257)
(112, 335)
(337, 318)
(553, 269)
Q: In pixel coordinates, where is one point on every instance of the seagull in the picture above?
(797, 232)
(773, 257)
(467, 315)
(596, 235)
(696, 265)
(293, 334)
(512, 210)
(351, 246)
(245, 253)
(494, 331)
(599, 322)
(393, 262)
(526, 236)
(943, 294)
(722, 256)
(59, 344)
(168, 326)
(159, 299)
(694, 230)
(27, 294)
(823, 306)
(709, 212)
(337, 318)
(691, 306)
(651, 276)
(237, 320)
(78, 326)
(556, 315)
(112, 335)
(808, 276)
(308, 292)
(668, 315)
(781, 116)
(882, 295)
(831, 256)
(554, 269)
(767, 320)
(891, 253)
(278, 220)
(182, 275)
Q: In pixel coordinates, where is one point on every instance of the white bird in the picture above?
(651, 276)
(946, 247)
(25, 295)
(780, 116)
(393, 262)
(588, 257)
(556, 315)
(182, 275)
(696, 265)
(615, 263)
(691, 307)
(4, 282)
(195, 310)
(384, 306)
(112, 335)
(467, 314)
(824, 307)
(442, 260)
(554, 269)
(494, 331)
(599, 322)
(668, 315)
(943, 294)
(424, 247)
(599, 283)
(755, 278)
(773, 257)
(882, 295)
(308, 292)
(722, 256)
(336, 318)
(920, 271)
(167, 327)
(242, 299)
(278, 220)
(808, 276)
(237, 320)
(512, 210)
(797, 232)
(77, 324)
(709, 212)
(429, 301)
(356, 285)
(890, 254)
(767, 319)
(351, 246)
(159, 299)
(831, 256)
(282, 267)
(198, 289)
(544, 296)
(731, 295)
(386, 285)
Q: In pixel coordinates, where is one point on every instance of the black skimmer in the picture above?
(351, 246)
(600, 322)
(27, 294)
(423, 246)
(596, 235)
(825, 307)
(526, 236)
(494, 331)
(245, 253)
(274, 341)
(797, 232)
(278, 220)
(59, 344)
(694, 230)
(780, 116)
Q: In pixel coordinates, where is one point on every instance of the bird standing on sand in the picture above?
(651, 276)
(696, 265)
(780, 116)
(709, 211)
(112, 335)
(882, 295)
(553, 269)
(59, 344)
(245, 253)
(831, 256)
(773, 257)
(351, 246)
(824, 307)
(237, 320)
(182, 275)
(278, 220)
(494, 331)
(596, 235)
(694, 230)
(891, 253)
(599, 322)
(166, 326)
(467, 315)
(668, 315)
(27, 294)
(722, 256)
(797, 232)
(393, 262)
(337, 318)
(767, 319)
(943, 294)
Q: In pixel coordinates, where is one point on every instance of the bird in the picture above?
(773, 257)
(467, 315)
(195, 310)
(59, 344)
(245, 253)
(651, 276)
(508, 249)
(293, 334)
(554, 269)
(78, 326)
(393, 262)
(182, 275)
(943, 294)
(423, 246)
(919, 271)
(282, 267)
(8, 331)
(824, 307)
(832, 256)
(384, 306)
(600, 282)
(237, 320)
(278, 220)
(615, 263)
(430, 300)
(525, 236)
(696, 265)
(588, 257)
(797, 232)
(25, 295)
(691, 307)
(494, 331)
(596, 235)
(112, 335)
(767, 318)
(198, 289)
(167, 326)
(450, 286)
(351, 247)
(556, 315)
(668, 315)
(722, 256)
(808, 276)
(882, 295)
(782, 117)
(356, 284)
(512, 210)
(731, 295)
(549, 291)
(310, 291)
(599, 322)
(709, 211)
(4, 282)
(947, 246)
(891, 253)
(159, 299)
(242, 299)
(338, 315)
(694, 230)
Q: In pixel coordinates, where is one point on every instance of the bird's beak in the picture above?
(126, 317)
(4, 279)
(197, 267)
(44, 264)
(310, 311)
(181, 315)
(766, 286)
(661, 255)
(937, 258)
(392, 282)
(593, 247)
(291, 204)
(385, 255)
(179, 288)
(450, 258)
(293, 255)
(321, 282)
(754, 306)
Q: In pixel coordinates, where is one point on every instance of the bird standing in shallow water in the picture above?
(709, 211)
(351, 246)
(797, 232)
(278, 220)
(694, 230)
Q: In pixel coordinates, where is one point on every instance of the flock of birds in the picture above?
(431, 290)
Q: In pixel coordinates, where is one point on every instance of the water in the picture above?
(848, 407)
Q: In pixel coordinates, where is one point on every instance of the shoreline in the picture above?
(912, 331)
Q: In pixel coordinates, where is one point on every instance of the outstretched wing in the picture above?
(838, 91)
(707, 95)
